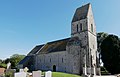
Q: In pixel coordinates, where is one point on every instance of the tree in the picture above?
(2, 65)
(110, 54)
(100, 37)
(0, 60)
(6, 61)
(15, 59)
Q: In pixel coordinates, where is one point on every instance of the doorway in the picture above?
(54, 68)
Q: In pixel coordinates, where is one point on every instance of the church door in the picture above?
(54, 68)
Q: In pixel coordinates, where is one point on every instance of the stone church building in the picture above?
(69, 55)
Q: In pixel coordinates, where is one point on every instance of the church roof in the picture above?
(26, 59)
(81, 13)
(35, 49)
(55, 46)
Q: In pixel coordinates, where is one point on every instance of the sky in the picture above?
(27, 23)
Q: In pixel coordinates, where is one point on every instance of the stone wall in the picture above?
(73, 59)
(47, 61)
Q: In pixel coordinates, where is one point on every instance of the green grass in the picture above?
(60, 74)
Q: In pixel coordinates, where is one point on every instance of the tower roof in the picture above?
(81, 12)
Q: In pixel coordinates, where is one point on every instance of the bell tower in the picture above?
(83, 27)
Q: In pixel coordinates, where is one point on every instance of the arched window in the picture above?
(92, 27)
(77, 28)
(81, 28)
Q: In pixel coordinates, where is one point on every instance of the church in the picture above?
(71, 55)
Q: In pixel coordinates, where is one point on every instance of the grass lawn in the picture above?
(60, 74)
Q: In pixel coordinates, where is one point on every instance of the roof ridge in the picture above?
(41, 48)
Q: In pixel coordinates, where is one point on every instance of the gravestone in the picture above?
(20, 74)
(48, 74)
(36, 73)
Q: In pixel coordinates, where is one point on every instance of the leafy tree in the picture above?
(15, 59)
(9, 74)
(2, 65)
(110, 53)
(0, 61)
(6, 61)
(100, 37)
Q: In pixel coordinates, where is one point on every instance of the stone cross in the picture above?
(25, 69)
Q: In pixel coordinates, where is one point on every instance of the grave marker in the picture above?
(36, 73)
(20, 74)
(48, 74)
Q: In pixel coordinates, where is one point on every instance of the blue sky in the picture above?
(26, 23)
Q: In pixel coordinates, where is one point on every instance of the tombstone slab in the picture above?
(20, 74)
(36, 73)
(48, 74)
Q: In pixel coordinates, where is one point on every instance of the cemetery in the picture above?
(24, 73)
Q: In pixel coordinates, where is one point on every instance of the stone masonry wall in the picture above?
(47, 61)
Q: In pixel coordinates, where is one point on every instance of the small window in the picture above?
(81, 28)
(77, 27)
(92, 27)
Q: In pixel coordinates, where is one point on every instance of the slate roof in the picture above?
(81, 13)
(55, 46)
(35, 49)
(27, 58)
